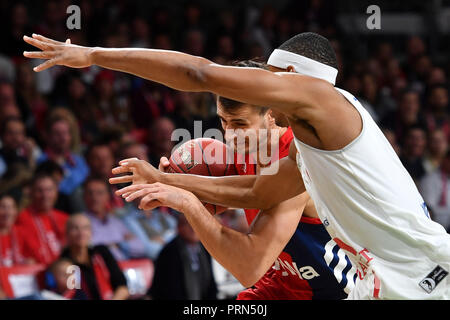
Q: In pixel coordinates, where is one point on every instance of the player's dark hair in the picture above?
(313, 46)
(231, 106)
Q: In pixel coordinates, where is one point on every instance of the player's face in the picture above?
(242, 127)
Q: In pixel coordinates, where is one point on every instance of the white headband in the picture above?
(303, 65)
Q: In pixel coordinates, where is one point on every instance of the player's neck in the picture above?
(280, 131)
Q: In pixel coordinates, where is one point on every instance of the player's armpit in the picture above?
(269, 190)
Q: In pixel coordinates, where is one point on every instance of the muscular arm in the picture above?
(246, 256)
(188, 73)
(260, 192)
(255, 191)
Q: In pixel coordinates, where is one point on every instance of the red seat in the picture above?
(139, 274)
(21, 280)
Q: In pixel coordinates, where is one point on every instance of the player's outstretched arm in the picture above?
(260, 192)
(246, 256)
(283, 91)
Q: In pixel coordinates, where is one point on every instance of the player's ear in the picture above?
(270, 117)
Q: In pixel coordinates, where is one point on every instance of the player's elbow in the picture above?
(197, 74)
(247, 282)
(248, 279)
(255, 200)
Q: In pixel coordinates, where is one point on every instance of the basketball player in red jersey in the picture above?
(300, 271)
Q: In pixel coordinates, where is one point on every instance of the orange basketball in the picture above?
(205, 157)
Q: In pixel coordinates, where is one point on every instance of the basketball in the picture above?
(205, 157)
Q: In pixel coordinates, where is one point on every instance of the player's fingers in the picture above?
(126, 194)
(125, 162)
(36, 43)
(131, 188)
(118, 180)
(39, 54)
(121, 169)
(45, 39)
(47, 64)
(163, 164)
(149, 202)
(68, 41)
(136, 194)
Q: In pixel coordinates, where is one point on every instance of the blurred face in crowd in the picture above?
(60, 137)
(78, 231)
(7, 95)
(437, 144)
(101, 161)
(44, 194)
(415, 46)
(97, 197)
(8, 213)
(194, 43)
(415, 143)
(60, 273)
(439, 99)
(77, 89)
(242, 127)
(436, 76)
(162, 41)
(390, 136)
(161, 135)
(136, 150)
(14, 135)
(423, 66)
(25, 76)
(369, 87)
(186, 232)
(409, 107)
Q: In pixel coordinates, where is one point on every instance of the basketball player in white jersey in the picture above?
(363, 194)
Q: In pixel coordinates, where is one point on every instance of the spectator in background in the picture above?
(436, 150)
(60, 146)
(101, 161)
(8, 103)
(160, 139)
(31, 103)
(18, 156)
(406, 115)
(390, 136)
(413, 152)
(43, 225)
(13, 248)
(183, 269)
(64, 202)
(57, 280)
(101, 276)
(154, 228)
(106, 228)
(263, 32)
(437, 112)
(435, 189)
(110, 110)
(194, 42)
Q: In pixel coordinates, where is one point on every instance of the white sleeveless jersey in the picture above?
(371, 207)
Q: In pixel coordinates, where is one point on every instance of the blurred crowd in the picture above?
(63, 130)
